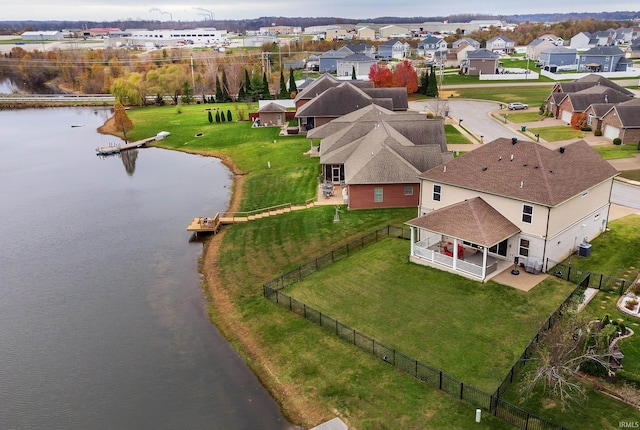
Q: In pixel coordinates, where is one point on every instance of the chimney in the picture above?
(514, 140)
(562, 150)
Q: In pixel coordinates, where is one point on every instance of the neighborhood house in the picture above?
(507, 202)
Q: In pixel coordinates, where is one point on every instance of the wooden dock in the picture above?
(116, 149)
(212, 225)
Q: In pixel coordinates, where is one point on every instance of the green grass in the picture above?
(612, 152)
(275, 166)
(522, 117)
(533, 96)
(615, 253)
(454, 136)
(557, 133)
(413, 308)
(633, 175)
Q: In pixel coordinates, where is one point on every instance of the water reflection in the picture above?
(129, 160)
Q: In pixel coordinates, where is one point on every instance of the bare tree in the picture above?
(561, 351)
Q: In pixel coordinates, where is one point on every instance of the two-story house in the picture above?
(359, 63)
(480, 62)
(500, 45)
(466, 40)
(602, 59)
(428, 46)
(558, 57)
(507, 202)
(393, 49)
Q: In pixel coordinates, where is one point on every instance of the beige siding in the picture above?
(569, 213)
(509, 208)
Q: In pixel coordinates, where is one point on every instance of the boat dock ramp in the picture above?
(118, 148)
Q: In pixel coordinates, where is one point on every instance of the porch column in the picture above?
(412, 239)
(484, 263)
(455, 254)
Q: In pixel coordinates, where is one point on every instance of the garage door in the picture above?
(611, 132)
(566, 116)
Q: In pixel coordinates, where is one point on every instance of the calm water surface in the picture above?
(102, 320)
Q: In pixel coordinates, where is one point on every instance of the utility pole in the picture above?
(193, 79)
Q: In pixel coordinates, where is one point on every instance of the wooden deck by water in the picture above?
(116, 149)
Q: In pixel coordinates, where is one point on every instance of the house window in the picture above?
(408, 191)
(524, 248)
(527, 213)
(377, 194)
(437, 189)
(589, 119)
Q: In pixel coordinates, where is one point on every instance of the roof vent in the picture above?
(500, 158)
(514, 140)
(444, 169)
(562, 150)
(484, 168)
(521, 184)
(511, 157)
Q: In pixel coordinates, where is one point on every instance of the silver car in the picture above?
(517, 106)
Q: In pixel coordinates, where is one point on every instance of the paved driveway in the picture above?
(475, 116)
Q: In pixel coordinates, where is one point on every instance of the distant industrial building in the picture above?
(42, 35)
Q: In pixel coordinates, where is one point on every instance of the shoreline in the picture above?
(223, 314)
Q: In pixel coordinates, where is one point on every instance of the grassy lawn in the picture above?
(611, 152)
(522, 117)
(454, 136)
(633, 175)
(291, 178)
(602, 411)
(412, 308)
(557, 133)
(533, 96)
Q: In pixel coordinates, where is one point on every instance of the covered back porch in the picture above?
(469, 238)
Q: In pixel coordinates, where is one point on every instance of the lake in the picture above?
(103, 324)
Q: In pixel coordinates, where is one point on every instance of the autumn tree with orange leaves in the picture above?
(404, 75)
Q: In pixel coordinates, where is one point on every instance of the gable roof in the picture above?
(482, 53)
(589, 81)
(323, 83)
(416, 127)
(526, 171)
(472, 220)
(629, 113)
(272, 107)
(608, 51)
(581, 100)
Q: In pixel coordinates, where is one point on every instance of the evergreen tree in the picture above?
(266, 94)
(293, 89)
(222, 117)
(225, 87)
(187, 93)
(219, 96)
(284, 94)
(210, 117)
(248, 90)
(353, 73)
(229, 117)
(432, 84)
(241, 94)
(217, 116)
(422, 89)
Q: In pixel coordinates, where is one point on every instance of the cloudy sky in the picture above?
(165, 10)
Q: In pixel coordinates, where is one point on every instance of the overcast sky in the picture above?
(166, 10)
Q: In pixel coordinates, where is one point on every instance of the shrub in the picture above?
(597, 133)
(587, 128)
(626, 376)
(229, 117)
(430, 115)
(617, 141)
(605, 320)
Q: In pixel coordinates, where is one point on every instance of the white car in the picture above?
(517, 106)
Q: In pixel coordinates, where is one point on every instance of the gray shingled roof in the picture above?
(272, 107)
(599, 109)
(323, 83)
(629, 114)
(581, 100)
(414, 126)
(588, 82)
(482, 53)
(526, 171)
(472, 220)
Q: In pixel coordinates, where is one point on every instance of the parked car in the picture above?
(517, 106)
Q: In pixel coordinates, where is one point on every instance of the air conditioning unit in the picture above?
(584, 249)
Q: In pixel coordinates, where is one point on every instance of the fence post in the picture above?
(569, 274)
(316, 264)
(354, 336)
(332, 260)
(362, 242)
(299, 273)
(461, 389)
(290, 303)
(416, 362)
(526, 425)
(600, 283)
(320, 320)
(373, 346)
(621, 291)
(336, 327)
(277, 297)
(304, 307)
(440, 382)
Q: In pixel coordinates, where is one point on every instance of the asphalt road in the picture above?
(625, 195)
(475, 116)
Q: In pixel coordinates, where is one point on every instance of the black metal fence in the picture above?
(596, 280)
(423, 372)
(517, 367)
